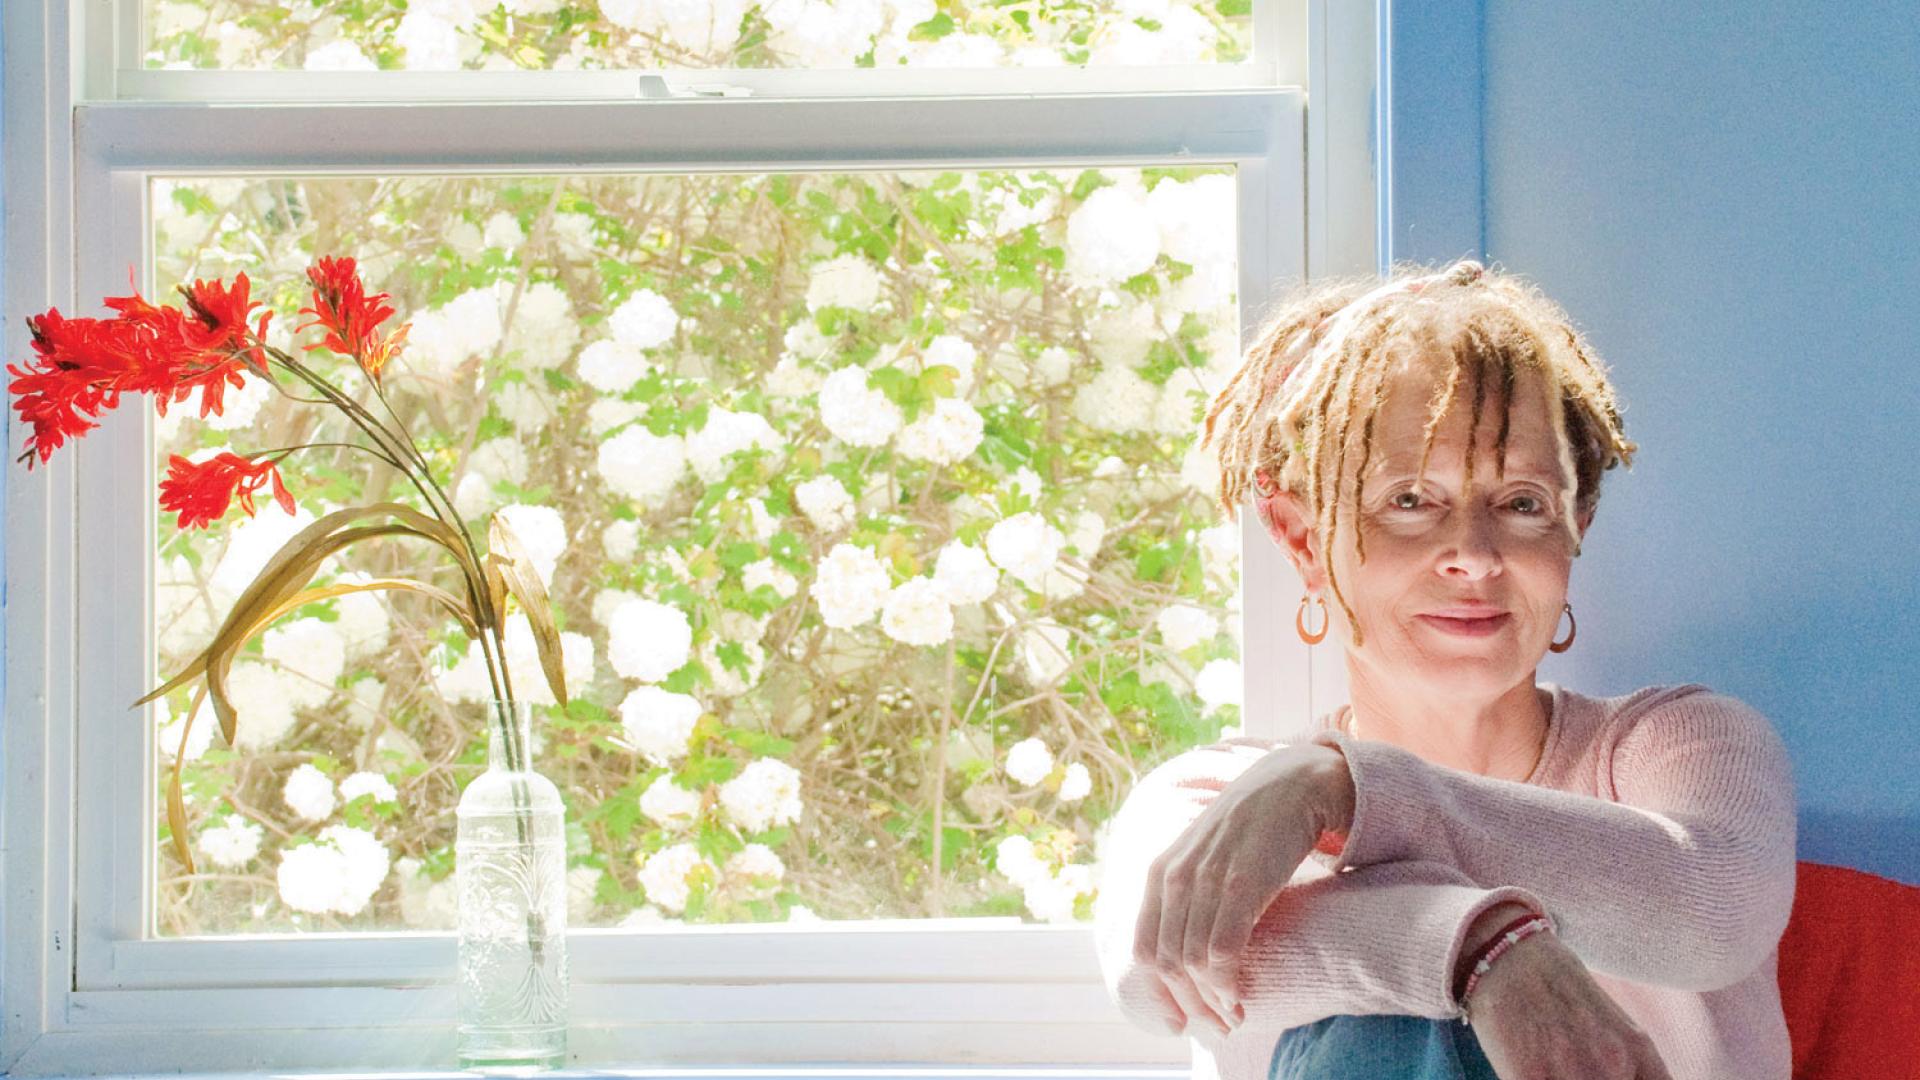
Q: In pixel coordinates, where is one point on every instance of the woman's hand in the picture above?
(1205, 893)
(1538, 1013)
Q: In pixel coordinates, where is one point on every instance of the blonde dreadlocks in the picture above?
(1317, 371)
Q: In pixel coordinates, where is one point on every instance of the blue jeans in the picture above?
(1379, 1048)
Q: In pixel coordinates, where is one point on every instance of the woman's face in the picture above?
(1434, 553)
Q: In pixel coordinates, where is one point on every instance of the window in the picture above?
(599, 257)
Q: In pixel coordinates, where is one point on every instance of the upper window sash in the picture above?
(110, 42)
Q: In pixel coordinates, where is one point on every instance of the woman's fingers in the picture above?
(1197, 950)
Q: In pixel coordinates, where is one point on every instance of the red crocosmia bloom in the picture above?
(381, 349)
(200, 492)
(342, 306)
(222, 313)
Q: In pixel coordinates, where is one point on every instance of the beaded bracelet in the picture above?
(1529, 925)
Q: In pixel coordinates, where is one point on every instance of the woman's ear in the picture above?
(1286, 521)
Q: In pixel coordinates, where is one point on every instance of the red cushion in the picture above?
(1850, 975)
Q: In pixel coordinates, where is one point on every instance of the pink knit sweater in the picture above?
(1658, 830)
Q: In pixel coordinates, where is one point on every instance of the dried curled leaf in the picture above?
(508, 558)
(278, 588)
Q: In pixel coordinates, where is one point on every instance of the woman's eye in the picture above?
(1529, 501)
(1395, 502)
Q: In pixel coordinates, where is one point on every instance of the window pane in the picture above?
(559, 35)
(888, 479)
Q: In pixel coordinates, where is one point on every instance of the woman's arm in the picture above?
(1383, 939)
(1685, 881)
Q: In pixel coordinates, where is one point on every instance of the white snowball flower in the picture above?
(542, 534)
(1182, 626)
(1027, 482)
(641, 465)
(1110, 237)
(1054, 364)
(728, 682)
(465, 239)
(525, 406)
(544, 331)
(1220, 552)
(309, 793)
(956, 352)
(1219, 683)
(475, 496)
(173, 732)
(658, 722)
(767, 572)
(368, 783)
(1029, 761)
(251, 543)
(964, 573)
(1122, 336)
(699, 26)
(504, 458)
(338, 56)
(363, 625)
(240, 407)
(608, 413)
(430, 44)
(917, 613)
(503, 231)
(310, 650)
(1089, 528)
(620, 540)
(262, 700)
(950, 432)
(1076, 784)
(1026, 546)
(724, 434)
(424, 902)
(766, 793)
(755, 861)
(801, 913)
(1013, 857)
(648, 640)
(231, 844)
(476, 316)
(792, 379)
(765, 522)
(664, 877)
(1043, 650)
(856, 414)
(1197, 218)
(847, 281)
(667, 803)
(825, 502)
(612, 367)
(644, 320)
(339, 874)
(850, 586)
(1051, 898)
(1116, 400)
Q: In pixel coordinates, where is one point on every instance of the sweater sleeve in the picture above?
(1376, 940)
(1685, 880)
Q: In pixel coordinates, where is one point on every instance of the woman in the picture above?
(1428, 452)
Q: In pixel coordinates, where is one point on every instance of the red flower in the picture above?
(82, 366)
(200, 492)
(222, 313)
(351, 317)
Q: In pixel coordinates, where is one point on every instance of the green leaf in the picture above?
(761, 743)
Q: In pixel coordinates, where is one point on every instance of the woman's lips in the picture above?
(1467, 627)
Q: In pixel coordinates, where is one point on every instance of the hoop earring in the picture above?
(1572, 630)
(1300, 621)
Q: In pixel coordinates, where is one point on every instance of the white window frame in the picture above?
(87, 989)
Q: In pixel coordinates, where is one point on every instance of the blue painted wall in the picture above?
(1722, 195)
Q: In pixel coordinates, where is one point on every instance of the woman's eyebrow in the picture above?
(1522, 471)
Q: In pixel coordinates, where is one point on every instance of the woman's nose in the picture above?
(1472, 547)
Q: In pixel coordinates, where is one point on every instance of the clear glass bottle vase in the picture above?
(510, 876)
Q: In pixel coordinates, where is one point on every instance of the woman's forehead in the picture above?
(1412, 392)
